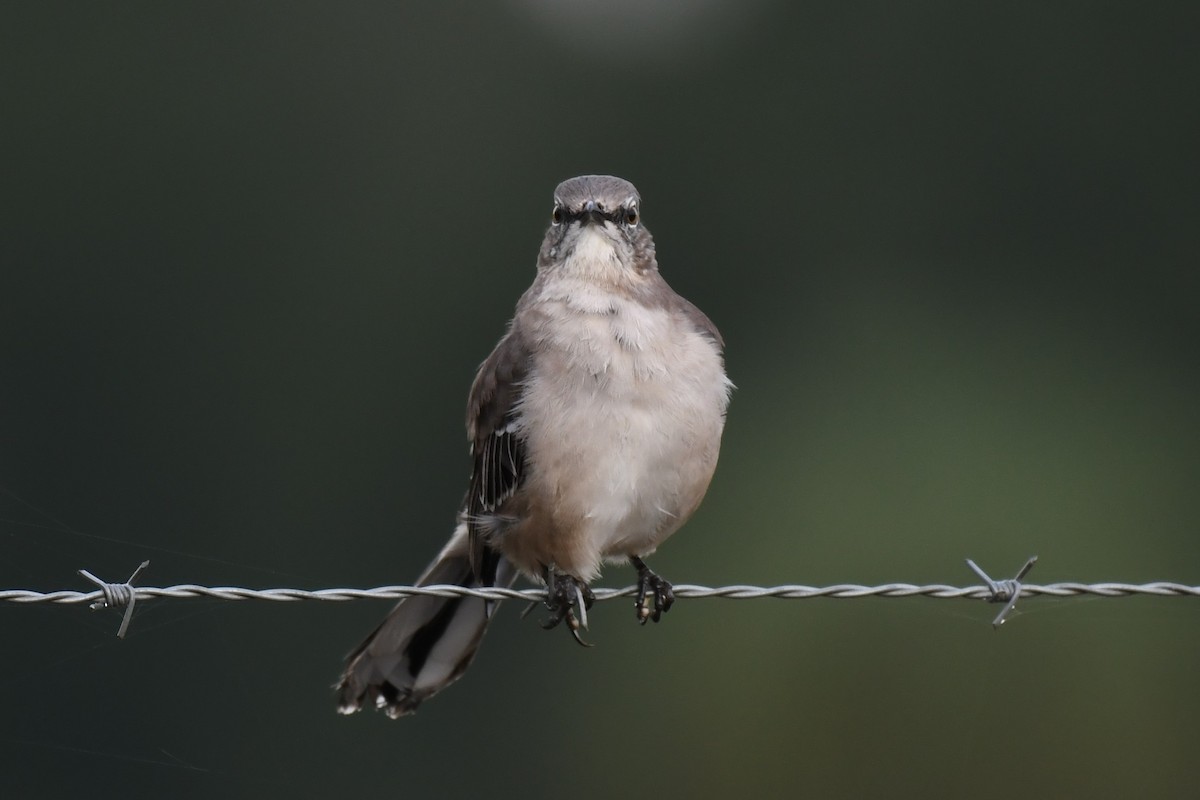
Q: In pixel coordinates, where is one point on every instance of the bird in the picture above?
(594, 428)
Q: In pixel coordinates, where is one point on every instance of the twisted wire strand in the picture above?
(842, 591)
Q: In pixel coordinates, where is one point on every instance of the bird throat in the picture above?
(594, 257)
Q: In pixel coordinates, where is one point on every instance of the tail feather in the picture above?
(425, 643)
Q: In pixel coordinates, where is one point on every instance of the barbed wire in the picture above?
(124, 595)
(842, 591)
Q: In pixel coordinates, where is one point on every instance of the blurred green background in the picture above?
(251, 256)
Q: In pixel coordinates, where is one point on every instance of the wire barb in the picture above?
(1003, 591)
(117, 595)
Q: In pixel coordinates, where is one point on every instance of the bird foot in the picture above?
(651, 584)
(568, 599)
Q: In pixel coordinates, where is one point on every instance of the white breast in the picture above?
(623, 416)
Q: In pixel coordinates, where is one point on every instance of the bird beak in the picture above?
(592, 215)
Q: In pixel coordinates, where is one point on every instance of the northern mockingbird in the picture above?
(594, 429)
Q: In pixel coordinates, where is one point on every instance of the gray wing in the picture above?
(701, 322)
(497, 447)
(668, 298)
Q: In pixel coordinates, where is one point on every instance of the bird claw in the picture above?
(650, 583)
(565, 595)
(579, 639)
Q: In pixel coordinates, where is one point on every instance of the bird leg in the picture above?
(650, 582)
(566, 594)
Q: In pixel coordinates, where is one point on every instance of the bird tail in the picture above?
(425, 643)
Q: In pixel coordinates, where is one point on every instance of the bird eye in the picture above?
(558, 215)
(631, 216)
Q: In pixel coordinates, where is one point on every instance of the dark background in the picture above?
(252, 253)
